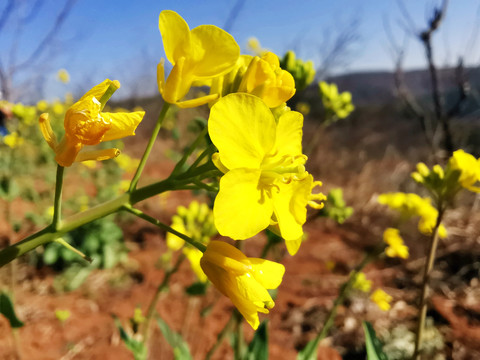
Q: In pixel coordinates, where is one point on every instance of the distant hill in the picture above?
(377, 87)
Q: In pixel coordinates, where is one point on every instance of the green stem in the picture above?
(189, 152)
(71, 248)
(57, 204)
(344, 292)
(239, 344)
(51, 232)
(146, 330)
(149, 147)
(426, 279)
(161, 225)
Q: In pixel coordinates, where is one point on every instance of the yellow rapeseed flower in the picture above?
(13, 140)
(396, 247)
(410, 205)
(265, 182)
(266, 79)
(382, 299)
(196, 221)
(469, 168)
(85, 124)
(339, 103)
(63, 76)
(42, 105)
(361, 283)
(244, 280)
(198, 54)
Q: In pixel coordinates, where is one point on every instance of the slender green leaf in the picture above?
(138, 348)
(180, 347)
(310, 351)
(7, 310)
(373, 345)
(258, 348)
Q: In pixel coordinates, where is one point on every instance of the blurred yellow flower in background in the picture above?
(13, 140)
(63, 76)
(396, 247)
(382, 299)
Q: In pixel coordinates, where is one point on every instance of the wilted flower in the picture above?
(85, 124)
(244, 280)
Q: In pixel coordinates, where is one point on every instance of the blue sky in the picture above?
(120, 39)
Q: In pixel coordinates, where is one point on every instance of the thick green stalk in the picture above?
(57, 203)
(426, 279)
(149, 147)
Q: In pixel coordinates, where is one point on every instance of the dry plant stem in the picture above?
(344, 291)
(146, 330)
(426, 278)
(149, 147)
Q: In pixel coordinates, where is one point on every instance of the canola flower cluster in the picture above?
(259, 142)
(259, 152)
(196, 221)
(338, 104)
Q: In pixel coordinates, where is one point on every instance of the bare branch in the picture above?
(43, 45)
(233, 15)
(6, 13)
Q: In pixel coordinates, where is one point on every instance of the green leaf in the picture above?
(310, 351)
(258, 348)
(198, 288)
(138, 348)
(373, 345)
(180, 347)
(7, 310)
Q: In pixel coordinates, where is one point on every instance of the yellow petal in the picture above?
(243, 129)
(47, 131)
(293, 245)
(268, 273)
(67, 151)
(99, 90)
(197, 101)
(175, 35)
(122, 124)
(289, 134)
(161, 75)
(215, 51)
(194, 256)
(290, 207)
(178, 82)
(241, 210)
(97, 155)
